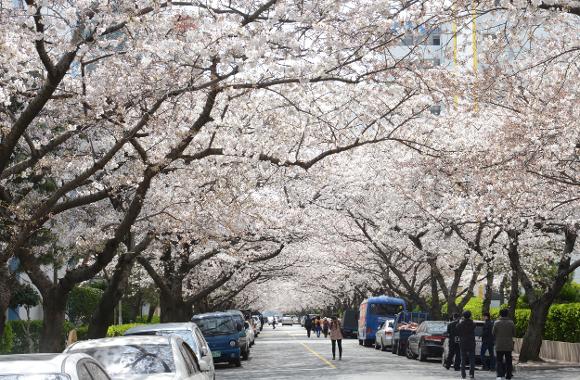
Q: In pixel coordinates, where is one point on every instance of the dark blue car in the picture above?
(222, 335)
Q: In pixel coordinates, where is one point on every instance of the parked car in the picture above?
(373, 312)
(295, 319)
(222, 335)
(244, 331)
(427, 341)
(384, 336)
(256, 325)
(287, 320)
(250, 332)
(144, 357)
(188, 331)
(51, 366)
(406, 323)
(350, 323)
(478, 332)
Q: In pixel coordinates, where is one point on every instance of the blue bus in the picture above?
(373, 312)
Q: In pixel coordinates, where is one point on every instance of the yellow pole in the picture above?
(474, 48)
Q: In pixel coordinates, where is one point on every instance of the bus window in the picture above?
(385, 309)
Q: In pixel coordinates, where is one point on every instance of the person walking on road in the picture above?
(504, 331)
(274, 323)
(487, 343)
(325, 327)
(308, 325)
(453, 355)
(466, 332)
(317, 327)
(336, 337)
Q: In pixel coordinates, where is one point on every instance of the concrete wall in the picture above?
(560, 351)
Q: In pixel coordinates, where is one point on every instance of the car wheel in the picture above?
(238, 362)
(422, 354)
(246, 354)
(410, 354)
(377, 346)
(360, 342)
(383, 347)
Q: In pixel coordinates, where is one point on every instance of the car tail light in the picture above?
(389, 333)
(435, 338)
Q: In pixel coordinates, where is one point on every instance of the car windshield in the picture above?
(437, 328)
(216, 326)
(38, 376)
(384, 309)
(134, 359)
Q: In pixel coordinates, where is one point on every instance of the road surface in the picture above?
(287, 354)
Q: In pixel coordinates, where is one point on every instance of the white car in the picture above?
(51, 366)
(188, 331)
(384, 336)
(144, 357)
(287, 320)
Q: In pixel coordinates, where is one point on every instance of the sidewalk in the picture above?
(542, 365)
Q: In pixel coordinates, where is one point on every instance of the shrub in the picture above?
(27, 335)
(82, 302)
(119, 330)
(7, 340)
(143, 319)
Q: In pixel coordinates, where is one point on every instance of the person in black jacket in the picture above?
(453, 356)
(308, 325)
(487, 343)
(466, 332)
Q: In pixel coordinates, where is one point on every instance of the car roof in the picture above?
(162, 327)
(385, 299)
(121, 341)
(35, 363)
(211, 315)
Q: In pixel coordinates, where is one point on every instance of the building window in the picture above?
(436, 40)
(408, 39)
(435, 110)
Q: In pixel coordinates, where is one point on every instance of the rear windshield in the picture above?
(437, 328)
(139, 359)
(186, 335)
(216, 326)
(384, 309)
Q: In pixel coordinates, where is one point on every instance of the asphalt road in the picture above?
(286, 353)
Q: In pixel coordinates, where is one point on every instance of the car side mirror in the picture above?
(204, 351)
(239, 326)
(203, 366)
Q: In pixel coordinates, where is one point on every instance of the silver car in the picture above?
(51, 367)
(144, 357)
(188, 331)
(478, 332)
(384, 336)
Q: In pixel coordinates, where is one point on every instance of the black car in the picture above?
(427, 341)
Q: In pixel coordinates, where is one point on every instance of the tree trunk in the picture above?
(502, 290)
(54, 308)
(5, 294)
(104, 314)
(174, 309)
(151, 313)
(488, 290)
(532, 342)
(514, 294)
(435, 303)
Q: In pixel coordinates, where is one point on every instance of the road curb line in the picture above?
(319, 356)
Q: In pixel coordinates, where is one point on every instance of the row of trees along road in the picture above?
(202, 139)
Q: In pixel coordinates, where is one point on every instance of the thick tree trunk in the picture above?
(488, 290)
(174, 309)
(54, 308)
(104, 314)
(151, 313)
(5, 294)
(435, 303)
(532, 342)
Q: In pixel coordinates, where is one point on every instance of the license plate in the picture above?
(216, 354)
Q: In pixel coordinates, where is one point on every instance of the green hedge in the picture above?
(21, 343)
(119, 330)
(7, 340)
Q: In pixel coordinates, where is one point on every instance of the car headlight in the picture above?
(233, 343)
